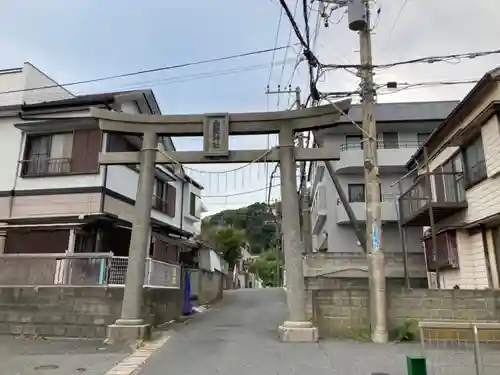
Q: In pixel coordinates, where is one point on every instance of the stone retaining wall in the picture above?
(77, 311)
(339, 306)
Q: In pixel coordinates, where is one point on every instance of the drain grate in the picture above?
(47, 367)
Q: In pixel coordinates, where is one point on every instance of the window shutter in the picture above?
(86, 148)
(171, 198)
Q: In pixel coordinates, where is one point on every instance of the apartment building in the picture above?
(403, 128)
(54, 195)
(456, 192)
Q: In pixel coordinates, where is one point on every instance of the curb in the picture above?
(133, 362)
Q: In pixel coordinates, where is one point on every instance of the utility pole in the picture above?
(359, 21)
(373, 210)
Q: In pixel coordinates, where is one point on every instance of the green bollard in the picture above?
(416, 365)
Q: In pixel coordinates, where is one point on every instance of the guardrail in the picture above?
(81, 269)
(461, 348)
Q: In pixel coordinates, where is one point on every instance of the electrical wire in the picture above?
(198, 76)
(153, 70)
(240, 193)
(267, 152)
(426, 59)
(400, 12)
(286, 51)
(407, 86)
(275, 44)
(268, 137)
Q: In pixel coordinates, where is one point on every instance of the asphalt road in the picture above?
(25, 356)
(239, 336)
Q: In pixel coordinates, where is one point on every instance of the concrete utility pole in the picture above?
(373, 210)
(359, 21)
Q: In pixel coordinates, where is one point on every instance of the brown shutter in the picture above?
(36, 241)
(86, 148)
(171, 197)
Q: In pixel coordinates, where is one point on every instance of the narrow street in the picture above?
(239, 336)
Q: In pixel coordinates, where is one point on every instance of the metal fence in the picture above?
(162, 275)
(81, 269)
(461, 348)
(54, 269)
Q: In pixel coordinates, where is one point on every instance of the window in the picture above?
(422, 138)
(474, 163)
(390, 140)
(160, 196)
(356, 192)
(194, 205)
(48, 154)
(354, 142)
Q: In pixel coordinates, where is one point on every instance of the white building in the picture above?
(457, 192)
(402, 127)
(54, 195)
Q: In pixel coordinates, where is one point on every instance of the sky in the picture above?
(84, 39)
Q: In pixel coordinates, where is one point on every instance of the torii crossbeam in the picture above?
(314, 118)
(216, 129)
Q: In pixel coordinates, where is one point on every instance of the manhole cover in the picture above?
(47, 367)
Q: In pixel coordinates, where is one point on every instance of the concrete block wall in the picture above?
(340, 306)
(77, 311)
(210, 287)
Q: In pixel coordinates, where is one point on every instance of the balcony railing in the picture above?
(445, 196)
(43, 166)
(83, 269)
(381, 145)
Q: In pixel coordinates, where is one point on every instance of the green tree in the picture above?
(260, 225)
(226, 240)
(266, 267)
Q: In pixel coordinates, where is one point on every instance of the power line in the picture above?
(406, 86)
(145, 71)
(185, 78)
(238, 194)
(268, 138)
(275, 44)
(286, 52)
(400, 12)
(426, 59)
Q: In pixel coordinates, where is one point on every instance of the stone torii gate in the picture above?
(216, 129)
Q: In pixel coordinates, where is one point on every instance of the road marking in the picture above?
(133, 362)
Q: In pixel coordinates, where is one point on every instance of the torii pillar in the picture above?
(216, 129)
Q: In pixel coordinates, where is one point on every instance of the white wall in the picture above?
(190, 223)
(11, 152)
(34, 78)
(124, 181)
(11, 80)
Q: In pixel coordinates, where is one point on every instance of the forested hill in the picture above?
(256, 220)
